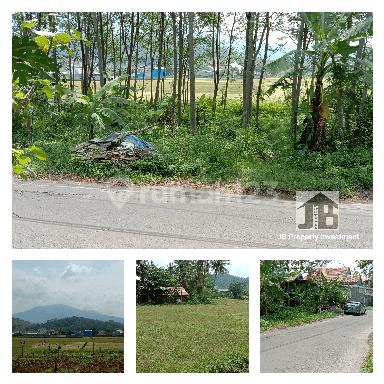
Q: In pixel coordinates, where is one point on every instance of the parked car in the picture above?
(354, 307)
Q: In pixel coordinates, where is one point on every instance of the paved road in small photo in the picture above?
(337, 345)
(66, 214)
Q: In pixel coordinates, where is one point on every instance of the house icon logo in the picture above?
(317, 210)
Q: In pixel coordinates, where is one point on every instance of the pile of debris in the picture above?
(116, 147)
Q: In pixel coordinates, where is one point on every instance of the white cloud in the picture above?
(74, 270)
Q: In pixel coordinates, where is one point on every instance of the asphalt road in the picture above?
(65, 214)
(337, 345)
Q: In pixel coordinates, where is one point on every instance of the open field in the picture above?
(67, 355)
(193, 338)
(203, 86)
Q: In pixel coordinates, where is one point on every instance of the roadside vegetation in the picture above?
(298, 304)
(220, 152)
(284, 317)
(310, 127)
(368, 361)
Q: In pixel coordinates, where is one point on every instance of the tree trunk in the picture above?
(137, 52)
(229, 61)
(179, 113)
(101, 62)
(160, 59)
(215, 58)
(151, 58)
(131, 45)
(262, 71)
(248, 75)
(83, 59)
(174, 71)
(192, 73)
(295, 88)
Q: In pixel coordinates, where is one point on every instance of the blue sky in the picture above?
(83, 284)
(238, 267)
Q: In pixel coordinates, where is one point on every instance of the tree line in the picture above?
(69, 323)
(333, 57)
(197, 277)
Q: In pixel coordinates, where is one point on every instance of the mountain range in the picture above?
(223, 280)
(59, 311)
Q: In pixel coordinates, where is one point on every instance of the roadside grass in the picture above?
(221, 152)
(292, 316)
(193, 338)
(368, 362)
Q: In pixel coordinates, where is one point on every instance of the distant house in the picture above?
(168, 297)
(328, 273)
(146, 74)
(353, 283)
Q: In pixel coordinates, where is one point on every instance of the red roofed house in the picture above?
(179, 292)
(337, 273)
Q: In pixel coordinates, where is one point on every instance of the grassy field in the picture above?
(193, 338)
(203, 86)
(100, 354)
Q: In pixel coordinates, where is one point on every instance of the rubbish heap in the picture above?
(116, 147)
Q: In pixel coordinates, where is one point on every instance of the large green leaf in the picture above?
(47, 90)
(282, 64)
(39, 153)
(107, 87)
(23, 159)
(112, 115)
(79, 120)
(63, 37)
(97, 121)
(28, 59)
(343, 48)
(118, 100)
(362, 29)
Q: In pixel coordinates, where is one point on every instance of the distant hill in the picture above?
(222, 281)
(59, 311)
(21, 325)
(73, 323)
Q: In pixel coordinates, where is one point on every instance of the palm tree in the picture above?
(218, 267)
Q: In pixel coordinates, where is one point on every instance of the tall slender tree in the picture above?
(192, 72)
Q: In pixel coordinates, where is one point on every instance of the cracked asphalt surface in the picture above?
(67, 214)
(336, 345)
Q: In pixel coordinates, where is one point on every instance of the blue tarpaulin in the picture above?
(137, 140)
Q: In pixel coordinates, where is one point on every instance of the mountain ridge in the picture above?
(223, 280)
(42, 314)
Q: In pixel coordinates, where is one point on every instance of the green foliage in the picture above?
(28, 60)
(368, 363)
(19, 156)
(218, 152)
(238, 290)
(94, 113)
(75, 322)
(284, 317)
